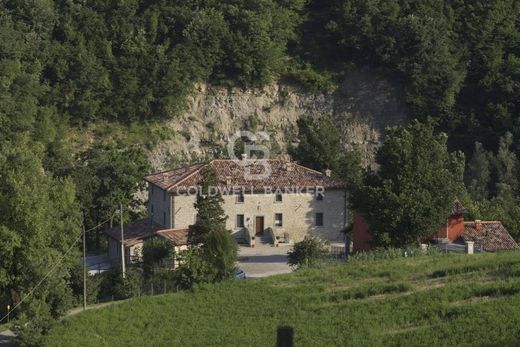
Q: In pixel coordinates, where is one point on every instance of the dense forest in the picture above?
(65, 64)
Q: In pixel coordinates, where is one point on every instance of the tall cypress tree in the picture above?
(210, 213)
(219, 249)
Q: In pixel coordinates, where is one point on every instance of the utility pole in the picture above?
(84, 271)
(123, 268)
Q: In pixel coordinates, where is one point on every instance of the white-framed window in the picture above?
(239, 198)
(319, 219)
(240, 221)
(278, 197)
(278, 220)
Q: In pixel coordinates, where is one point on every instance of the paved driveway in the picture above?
(6, 339)
(263, 260)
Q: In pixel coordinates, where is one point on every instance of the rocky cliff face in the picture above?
(362, 106)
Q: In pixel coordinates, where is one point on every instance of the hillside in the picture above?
(428, 300)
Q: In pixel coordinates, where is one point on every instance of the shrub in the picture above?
(155, 253)
(307, 253)
(114, 286)
(194, 269)
(76, 284)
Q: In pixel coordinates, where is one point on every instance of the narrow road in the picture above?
(263, 260)
(6, 339)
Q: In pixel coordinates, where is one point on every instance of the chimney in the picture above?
(328, 172)
(478, 224)
(244, 156)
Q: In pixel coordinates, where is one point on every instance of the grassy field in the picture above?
(429, 300)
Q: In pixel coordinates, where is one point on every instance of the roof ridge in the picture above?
(170, 170)
(172, 229)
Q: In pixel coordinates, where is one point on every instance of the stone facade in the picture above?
(298, 213)
(159, 205)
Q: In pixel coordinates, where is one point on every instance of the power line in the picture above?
(53, 268)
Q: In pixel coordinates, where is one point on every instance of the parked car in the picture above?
(240, 274)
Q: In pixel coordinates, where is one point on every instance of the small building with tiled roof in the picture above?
(135, 235)
(288, 199)
(488, 236)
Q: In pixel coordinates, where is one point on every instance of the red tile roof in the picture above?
(135, 232)
(491, 235)
(168, 178)
(179, 237)
(284, 174)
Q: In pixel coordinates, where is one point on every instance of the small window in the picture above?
(152, 208)
(278, 222)
(319, 196)
(151, 190)
(164, 195)
(240, 220)
(164, 218)
(278, 197)
(240, 198)
(319, 219)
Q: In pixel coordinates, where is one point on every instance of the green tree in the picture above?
(350, 169)
(318, 143)
(478, 173)
(210, 214)
(40, 225)
(221, 252)
(218, 250)
(412, 192)
(155, 253)
(507, 166)
(107, 176)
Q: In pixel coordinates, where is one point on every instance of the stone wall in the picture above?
(160, 200)
(298, 213)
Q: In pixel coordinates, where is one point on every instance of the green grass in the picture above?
(5, 326)
(429, 300)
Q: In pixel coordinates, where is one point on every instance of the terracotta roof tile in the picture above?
(166, 179)
(491, 235)
(135, 232)
(284, 174)
(178, 236)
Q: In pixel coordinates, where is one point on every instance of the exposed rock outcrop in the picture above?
(365, 103)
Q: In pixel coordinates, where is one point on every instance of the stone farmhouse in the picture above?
(271, 198)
